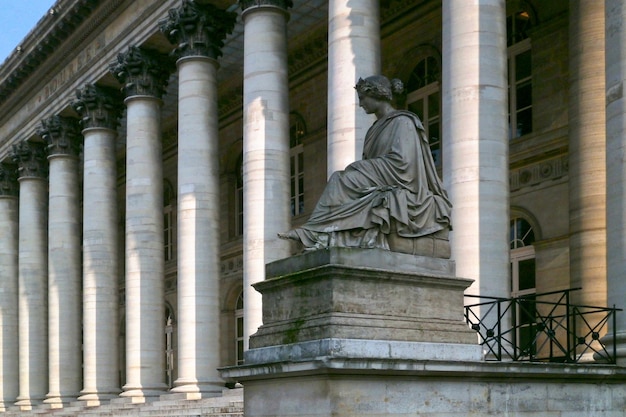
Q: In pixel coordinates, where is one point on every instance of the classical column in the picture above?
(265, 146)
(353, 53)
(62, 135)
(33, 273)
(198, 31)
(9, 371)
(475, 141)
(100, 109)
(144, 75)
(587, 156)
(616, 170)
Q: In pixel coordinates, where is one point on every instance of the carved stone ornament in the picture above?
(31, 159)
(197, 29)
(283, 4)
(98, 107)
(62, 134)
(142, 72)
(8, 180)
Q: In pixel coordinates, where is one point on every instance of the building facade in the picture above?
(152, 150)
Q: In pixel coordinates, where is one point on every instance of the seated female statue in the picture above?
(392, 198)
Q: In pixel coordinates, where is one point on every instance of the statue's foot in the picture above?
(289, 235)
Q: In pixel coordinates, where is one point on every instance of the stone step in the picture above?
(230, 404)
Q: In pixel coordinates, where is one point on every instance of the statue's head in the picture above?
(379, 87)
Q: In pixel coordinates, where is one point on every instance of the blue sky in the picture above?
(17, 18)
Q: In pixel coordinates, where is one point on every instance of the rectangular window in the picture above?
(520, 90)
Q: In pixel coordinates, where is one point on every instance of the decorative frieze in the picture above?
(62, 134)
(545, 170)
(8, 180)
(98, 107)
(198, 29)
(283, 4)
(31, 159)
(142, 72)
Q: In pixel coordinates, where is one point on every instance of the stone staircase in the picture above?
(230, 404)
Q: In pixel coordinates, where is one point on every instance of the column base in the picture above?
(143, 394)
(96, 399)
(27, 404)
(192, 389)
(56, 400)
(620, 346)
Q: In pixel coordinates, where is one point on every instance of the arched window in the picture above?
(424, 99)
(239, 329)
(169, 221)
(297, 130)
(523, 285)
(518, 23)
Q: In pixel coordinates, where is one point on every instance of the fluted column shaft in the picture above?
(198, 31)
(616, 169)
(353, 53)
(100, 109)
(64, 261)
(9, 232)
(475, 141)
(145, 79)
(33, 274)
(265, 149)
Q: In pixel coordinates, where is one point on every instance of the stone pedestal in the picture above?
(366, 332)
(366, 294)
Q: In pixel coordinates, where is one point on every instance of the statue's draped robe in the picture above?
(394, 188)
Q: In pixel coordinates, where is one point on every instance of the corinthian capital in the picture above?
(62, 134)
(31, 159)
(282, 4)
(8, 180)
(142, 72)
(98, 106)
(198, 29)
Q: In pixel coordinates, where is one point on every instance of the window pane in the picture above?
(239, 327)
(527, 340)
(522, 65)
(524, 122)
(526, 274)
(527, 310)
(524, 92)
(433, 105)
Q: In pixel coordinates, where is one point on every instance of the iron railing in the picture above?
(542, 327)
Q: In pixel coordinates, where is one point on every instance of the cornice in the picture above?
(43, 41)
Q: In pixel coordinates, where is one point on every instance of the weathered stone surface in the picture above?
(361, 294)
(364, 349)
(350, 387)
